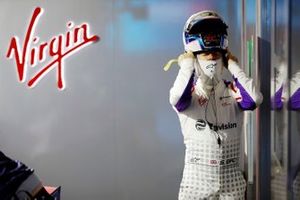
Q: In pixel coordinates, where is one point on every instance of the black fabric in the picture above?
(43, 195)
(216, 26)
(12, 175)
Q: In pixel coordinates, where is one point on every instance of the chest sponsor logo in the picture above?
(200, 125)
(225, 97)
(229, 125)
(226, 104)
(202, 101)
(225, 100)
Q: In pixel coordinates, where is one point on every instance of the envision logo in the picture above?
(200, 124)
(222, 126)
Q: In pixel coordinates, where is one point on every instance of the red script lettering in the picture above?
(57, 49)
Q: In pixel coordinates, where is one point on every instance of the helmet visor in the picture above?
(211, 40)
(216, 26)
(206, 42)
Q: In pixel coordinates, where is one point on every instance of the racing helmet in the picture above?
(205, 31)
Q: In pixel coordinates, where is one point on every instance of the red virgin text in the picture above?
(58, 48)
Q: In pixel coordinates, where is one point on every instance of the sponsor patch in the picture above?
(229, 125)
(200, 124)
(202, 101)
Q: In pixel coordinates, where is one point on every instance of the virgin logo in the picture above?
(57, 49)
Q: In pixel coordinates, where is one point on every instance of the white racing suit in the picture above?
(211, 125)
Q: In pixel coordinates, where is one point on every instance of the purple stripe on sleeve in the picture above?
(294, 102)
(185, 99)
(276, 101)
(247, 102)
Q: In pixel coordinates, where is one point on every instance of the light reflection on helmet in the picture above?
(205, 31)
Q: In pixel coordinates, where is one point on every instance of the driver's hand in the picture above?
(186, 61)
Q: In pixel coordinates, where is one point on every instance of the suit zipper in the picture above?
(216, 113)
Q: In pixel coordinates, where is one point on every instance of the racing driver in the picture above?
(209, 95)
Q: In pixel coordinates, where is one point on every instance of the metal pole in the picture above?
(263, 68)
